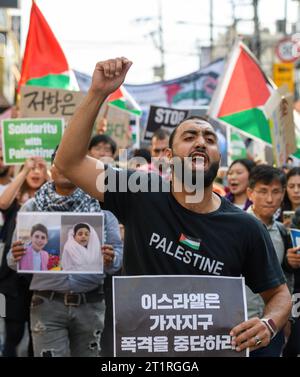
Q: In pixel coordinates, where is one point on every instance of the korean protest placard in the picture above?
(295, 236)
(39, 102)
(57, 242)
(279, 109)
(24, 138)
(177, 316)
(118, 127)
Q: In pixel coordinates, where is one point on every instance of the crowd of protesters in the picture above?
(248, 191)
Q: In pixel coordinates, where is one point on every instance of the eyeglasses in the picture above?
(102, 148)
(265, 193)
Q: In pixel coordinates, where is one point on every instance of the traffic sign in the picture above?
(283, 73)
(287, 50)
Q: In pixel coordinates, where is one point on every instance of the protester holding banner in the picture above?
(164, 230)
(103, 148)
(266, 190)
(238, 176)
(78, 335)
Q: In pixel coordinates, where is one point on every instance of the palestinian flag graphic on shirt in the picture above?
(44, 63)
(193, 243)
(241, 94)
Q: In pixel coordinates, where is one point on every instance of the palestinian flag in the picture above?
(241, 95)
(44, 63)
(193, 243)
(122, 100)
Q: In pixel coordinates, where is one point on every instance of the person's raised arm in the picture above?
(71, 157)
(11, 191)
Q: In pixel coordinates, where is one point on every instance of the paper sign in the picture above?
(177, 316)
(58, 242)
(24, 138)
(40, 102)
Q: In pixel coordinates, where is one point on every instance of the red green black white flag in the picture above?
(241, 94)
(44, 63)
(193, 243)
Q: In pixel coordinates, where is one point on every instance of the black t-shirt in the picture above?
(164, 238)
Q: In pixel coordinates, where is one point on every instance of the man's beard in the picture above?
(210, 174)
(4, 171)
(208, 177)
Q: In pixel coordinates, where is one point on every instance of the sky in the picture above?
(94, 30)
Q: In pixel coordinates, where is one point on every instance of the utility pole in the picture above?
(158, 41)
(298, 18)
(161, 41)
(233, 32)
(285, 17)
(256, 41)
(211, 28)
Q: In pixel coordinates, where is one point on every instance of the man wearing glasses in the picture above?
(266, 191)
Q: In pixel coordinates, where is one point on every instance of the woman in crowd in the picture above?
(238, 177)
(15, 286)
(291, 200)
(33, 174)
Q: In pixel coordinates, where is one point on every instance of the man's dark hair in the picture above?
(142, 152)
(39, 227)
(105, 139)
(80, 226)
(266, 174)
(248, 164)
(160, 134)
(293, 172)
(203, 118)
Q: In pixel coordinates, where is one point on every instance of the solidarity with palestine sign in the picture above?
(24, 138)
(177, 316)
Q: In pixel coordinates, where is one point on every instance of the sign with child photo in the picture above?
(58, 242)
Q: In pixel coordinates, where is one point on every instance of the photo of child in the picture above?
(82, 250)
(59, 242)
(40, 233)
(36, 259)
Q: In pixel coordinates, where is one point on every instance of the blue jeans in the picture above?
(60, 330)
(274, 348)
